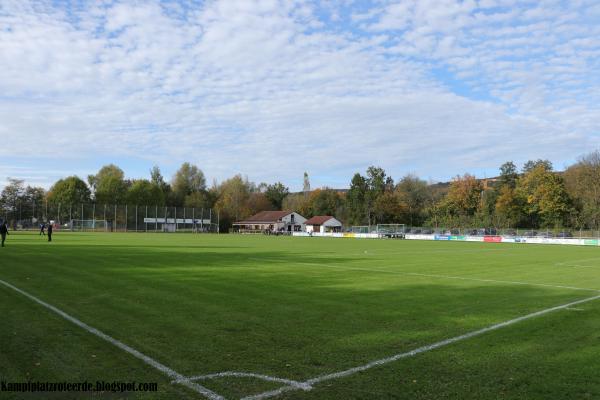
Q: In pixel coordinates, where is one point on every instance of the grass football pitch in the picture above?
(300, 318)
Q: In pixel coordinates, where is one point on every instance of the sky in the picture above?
(273, 88)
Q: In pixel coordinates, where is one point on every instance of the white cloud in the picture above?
(272, 88)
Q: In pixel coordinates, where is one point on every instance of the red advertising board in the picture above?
(492, 239)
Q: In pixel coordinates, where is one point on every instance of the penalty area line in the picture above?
(412, 353)
(176, 376)
(267, 378)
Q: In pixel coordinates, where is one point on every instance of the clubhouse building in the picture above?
(271, 221)
(323, 224)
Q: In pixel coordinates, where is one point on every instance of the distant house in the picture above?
(322, 224)
(272, 221)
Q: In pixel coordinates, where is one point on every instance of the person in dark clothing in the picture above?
(49, 232)
(42, 228)
(3, 232)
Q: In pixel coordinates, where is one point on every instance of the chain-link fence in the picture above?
(112, 218)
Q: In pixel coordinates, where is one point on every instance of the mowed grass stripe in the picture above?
(424, 275)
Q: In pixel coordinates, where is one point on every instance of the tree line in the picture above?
(535, 196)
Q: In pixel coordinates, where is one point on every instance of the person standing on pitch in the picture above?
(3, 232)
(49, 232)
(42, 227)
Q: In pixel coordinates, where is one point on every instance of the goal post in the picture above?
(360, 229)
(82, 225)
(391, 230)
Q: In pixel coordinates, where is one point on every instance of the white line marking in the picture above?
(150, 361)
(572, 265)
(423, 349)
(440, 276)
(378, 252)
(295, 384)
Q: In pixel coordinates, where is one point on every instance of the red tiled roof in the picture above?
(318, 220)
(265, 217)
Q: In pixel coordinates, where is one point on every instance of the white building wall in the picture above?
(298, 219)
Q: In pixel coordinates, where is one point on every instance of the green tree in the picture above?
(69, 191)
(356, 200)
(554, 201)
(187, 180)
(378, 184)
(388, 208)
(109, 185)
(546, 201)
(505, 205)
(323, 202)
(412, 194)
(34, 194)
(275, 193)
(377, 181)
(435, 209)
(464, 196)
(157, 179)
(142, 192)
(532, 164)
(232, 203)
(582, 181)
(295, 202)
(32, 200)
(12, 195)
(198, 200)
(508, 174)
(258, 201)
(508, 207)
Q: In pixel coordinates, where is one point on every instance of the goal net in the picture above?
(360, 229)
(88, 224)
(391, 230)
